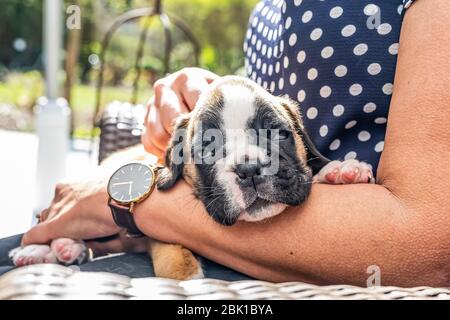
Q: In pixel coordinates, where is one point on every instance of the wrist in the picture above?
(166, 215)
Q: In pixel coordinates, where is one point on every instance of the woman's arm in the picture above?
(402, 225)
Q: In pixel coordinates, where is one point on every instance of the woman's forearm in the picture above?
(333, 238)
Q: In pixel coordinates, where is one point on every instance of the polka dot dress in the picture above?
(337, 58)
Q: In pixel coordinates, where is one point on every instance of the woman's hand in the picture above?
(175, 94)
(78, 211)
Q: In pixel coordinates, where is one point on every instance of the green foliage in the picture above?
(22, 89)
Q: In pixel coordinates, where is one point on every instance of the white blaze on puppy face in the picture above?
(239, 107)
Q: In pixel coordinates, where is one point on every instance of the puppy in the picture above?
(247, 157)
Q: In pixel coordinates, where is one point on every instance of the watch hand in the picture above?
(129, 191)
(122, 183)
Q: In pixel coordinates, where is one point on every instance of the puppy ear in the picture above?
(175, 156)
(315, 160)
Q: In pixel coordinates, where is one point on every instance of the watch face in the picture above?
(130, 183)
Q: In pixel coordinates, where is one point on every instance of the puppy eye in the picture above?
(281, 135)
(209, 153)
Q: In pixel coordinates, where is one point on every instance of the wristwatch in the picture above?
(128, 186)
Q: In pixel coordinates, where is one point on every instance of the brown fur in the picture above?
(173, 261)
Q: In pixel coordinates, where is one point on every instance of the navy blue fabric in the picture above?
(338, 60)
(132, 265)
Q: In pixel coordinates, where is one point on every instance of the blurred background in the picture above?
(219, 26)
(28, 161)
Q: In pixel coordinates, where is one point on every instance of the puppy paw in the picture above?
(32, 254)
(345, 172)
(69, 251)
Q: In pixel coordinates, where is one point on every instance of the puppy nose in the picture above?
(248, 170)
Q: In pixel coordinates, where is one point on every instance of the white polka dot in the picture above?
(254, 22)
(270, 70)
(281, 84)
(400, 9)
(348, 30)
(301, 56)
(269, 15)
(379, 147)
(374, 69)
(360, 49)
(281, 46)
(288, 23)
(277, 67)
(384, 28)
(323, 131)
(351, 155)
(340, 71)
(258, 45)
(253, 57)
(325, 91)
(297, 2)
(316, 34)
(338, 110)
(387, 88)
(292, 39)
(312, 74)
(371, 9)
(312, 113)
(270, 35)
(264, 49)
(269, 52)
(286, 62)
(364, 136)
(355, 89)
(350, 124)
(275, 51)
(265, 84)
(258, 64)
(301, 95)
(249, 33)
(393, 49)
(283, 7)
(327, 52)
(264, 11)
(272, 86)
(265, 31)
(259, 80)
(380, 120)
(264, 68)
(336, 12)
(307, 16)
(335, 144)
(260, 26)
(293, 79)
(253, 41)
(370, 107)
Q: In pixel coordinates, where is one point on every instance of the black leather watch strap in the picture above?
(124, 218)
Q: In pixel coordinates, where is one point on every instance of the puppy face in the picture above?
(243, 151)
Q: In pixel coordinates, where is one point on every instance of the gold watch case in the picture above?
(153, 169)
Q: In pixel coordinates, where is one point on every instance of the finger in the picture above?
(39, 234)
(192, 90)
(150, 147)
(101, 248)
(43, 215)
(156, 131)
(209, 76)
(171, 107)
